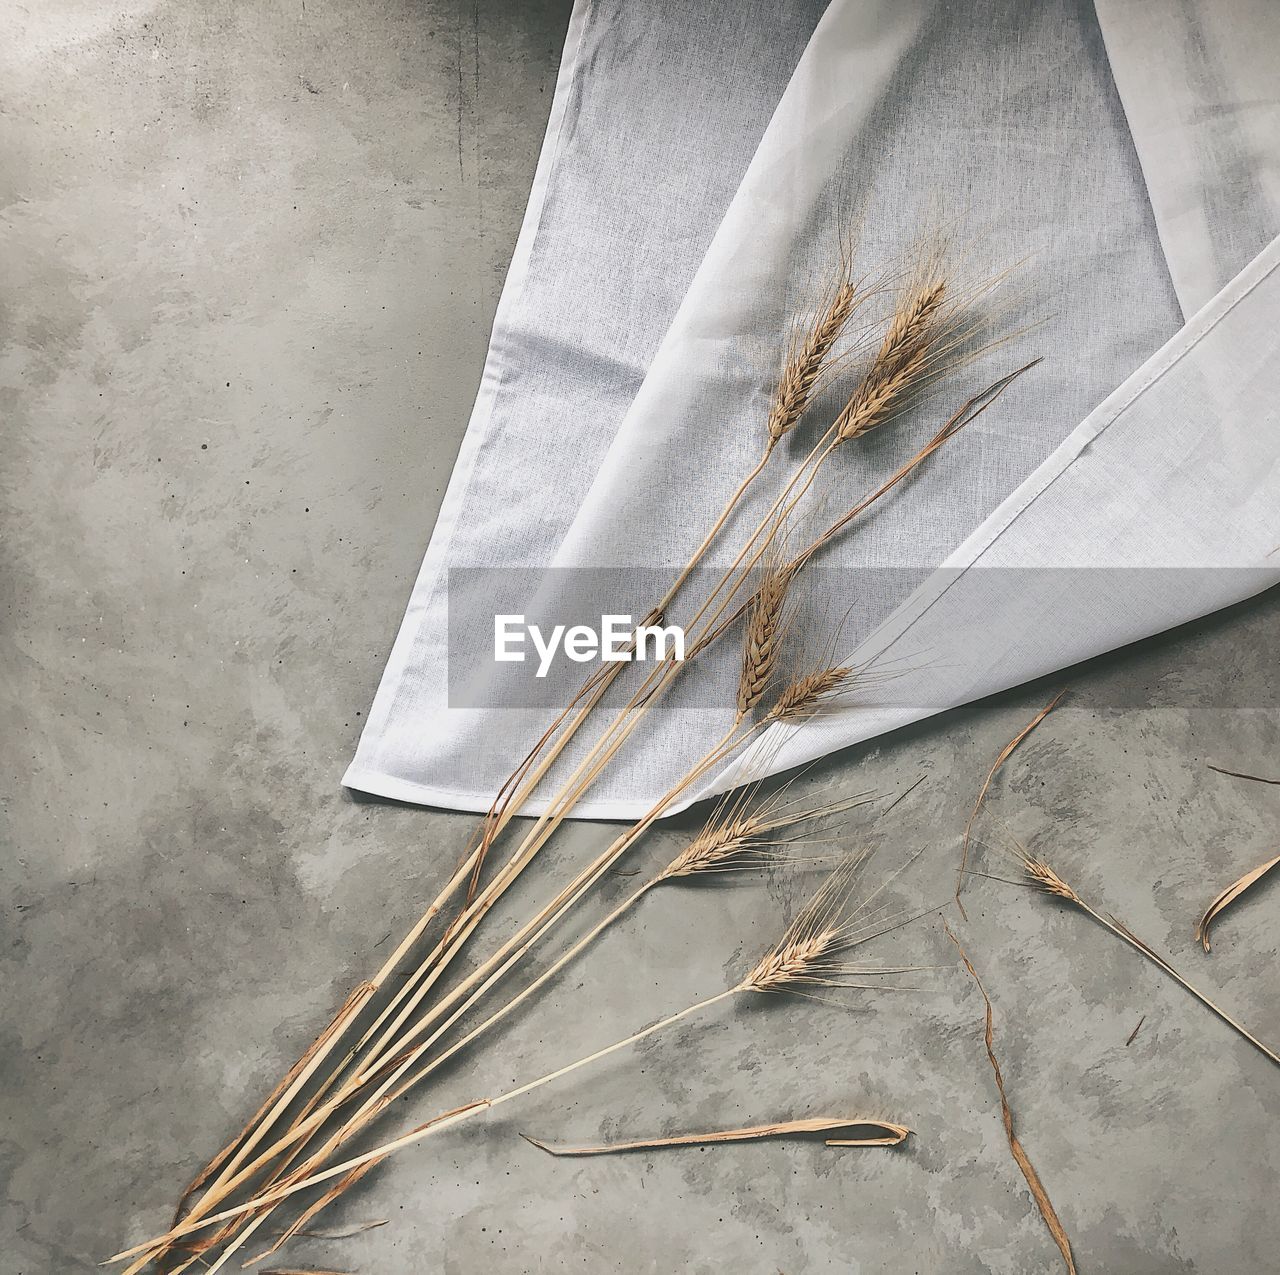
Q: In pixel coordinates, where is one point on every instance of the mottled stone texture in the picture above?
(251, 252)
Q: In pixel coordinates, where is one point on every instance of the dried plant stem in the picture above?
(225, 1165)
(420, 981)
(437, 1125)
(624, 724)
(1237, 774)
(386, 1094)
(919, 338)
(1023, 1161)
(599, 683)
(1123, 932)
(808, 360)
(1005, 753)
(793, 396)
(293, 1270)
(458, 934)
(1047, 880)
(1228, 896)
(514, 948)
(677, 868)
(968, 412)
(464, 924)
(810, 953)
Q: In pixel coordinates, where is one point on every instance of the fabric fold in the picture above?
(1198, 82)
(1038, 587)
(1011, 112)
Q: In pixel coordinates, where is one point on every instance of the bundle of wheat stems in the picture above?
(811, 953)
(383, 1043)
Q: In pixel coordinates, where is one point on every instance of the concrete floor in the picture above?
(251, 255)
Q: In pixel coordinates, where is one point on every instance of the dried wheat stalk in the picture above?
(1239, 774)
(969, 411)
(402, 1059)
(421, 982)
(297, 1270)
(763, 536)
(796, 702)
(812, 952)
(346, 1180)
(800, 376)
(386, 1091)
(1039, 874)
(627, 721)
(715, 847)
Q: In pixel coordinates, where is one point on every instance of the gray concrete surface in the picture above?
(250, 256)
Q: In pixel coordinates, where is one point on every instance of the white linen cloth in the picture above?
(699, 163)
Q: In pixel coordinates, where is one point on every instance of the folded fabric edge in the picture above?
(778, 749)
(473, 438)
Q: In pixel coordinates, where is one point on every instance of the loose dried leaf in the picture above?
(887, 1135)
(1005, 753)
(1229, 896)
(1038, 1193)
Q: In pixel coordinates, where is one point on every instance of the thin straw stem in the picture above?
(520, 943)
(467, 920)
(468, 872)
(1005, 753)
(1122, 931)
(622, 727)
(438, 1125)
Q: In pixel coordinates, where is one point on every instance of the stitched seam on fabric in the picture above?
(1157, 375)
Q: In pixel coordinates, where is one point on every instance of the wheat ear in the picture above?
(808, 954)
(1039, 874)
(462, 933)
(800, 376)
(721, 842)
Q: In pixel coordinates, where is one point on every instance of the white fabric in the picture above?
(597, 439)
(1198, 79)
